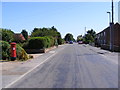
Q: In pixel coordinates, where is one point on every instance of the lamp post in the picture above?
(110, 30)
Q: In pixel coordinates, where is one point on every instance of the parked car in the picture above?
(80, 42)
(70, 42)
(67, 41)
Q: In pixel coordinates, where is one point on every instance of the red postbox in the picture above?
(13, 51)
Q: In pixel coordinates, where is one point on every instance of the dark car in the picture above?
(70, 42)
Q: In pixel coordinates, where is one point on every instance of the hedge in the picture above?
(51, 41)
(39, 43)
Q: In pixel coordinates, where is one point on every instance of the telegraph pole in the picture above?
(112, 27)
(85, 30)
(112, 13)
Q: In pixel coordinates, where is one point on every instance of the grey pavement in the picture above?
(70, 66)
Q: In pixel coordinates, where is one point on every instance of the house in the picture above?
(104, 41)
(19, 37)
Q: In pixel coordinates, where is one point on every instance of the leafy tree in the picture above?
(25, 34)
(7, 35)
(89, 37)
(68, 37)
(92, 33)
(53, 28)
(42, 32)
(79, 38)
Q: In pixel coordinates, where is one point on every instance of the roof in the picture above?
(116, 26)
(19, 37)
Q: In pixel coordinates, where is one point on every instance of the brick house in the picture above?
(103, 38)
(19, 37)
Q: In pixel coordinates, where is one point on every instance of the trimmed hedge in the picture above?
(51, 41)
(39, 43)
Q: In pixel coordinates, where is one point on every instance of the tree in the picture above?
(7, 35)
(79, 38)
(92, 33)
(53, 28)
(41, 32)
(89, 37)
(25, 34)
(68, 37)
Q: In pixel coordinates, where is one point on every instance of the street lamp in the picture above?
(109, 16)
(110, 30)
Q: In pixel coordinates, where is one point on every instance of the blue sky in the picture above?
(67, 17)
(119, 12)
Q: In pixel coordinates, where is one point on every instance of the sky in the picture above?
(119, 12)
(67, 17)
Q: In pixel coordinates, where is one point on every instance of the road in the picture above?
(75, 66)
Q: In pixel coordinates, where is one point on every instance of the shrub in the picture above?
(52, 41)
(21, 53)
(60, 41)
(5, 50)
(37, 43)
(48, 43)
(7, 35)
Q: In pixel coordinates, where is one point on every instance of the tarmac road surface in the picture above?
(76, 66)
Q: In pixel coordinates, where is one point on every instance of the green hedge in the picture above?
(50, 41)
(39, 43)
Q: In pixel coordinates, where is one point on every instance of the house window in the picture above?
(104, 33)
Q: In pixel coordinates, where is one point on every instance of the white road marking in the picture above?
(31, 70)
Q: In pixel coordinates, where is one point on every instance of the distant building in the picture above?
(19, 37)
(103, 38)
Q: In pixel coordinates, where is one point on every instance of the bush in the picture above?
(60, 41)
(21, 53)
(7, 35)
(50, 41)
(37, 43)
(5, 50)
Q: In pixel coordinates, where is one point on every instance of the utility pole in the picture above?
(110, 31)
(112, 13)
(85, 30)
(112, 27)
